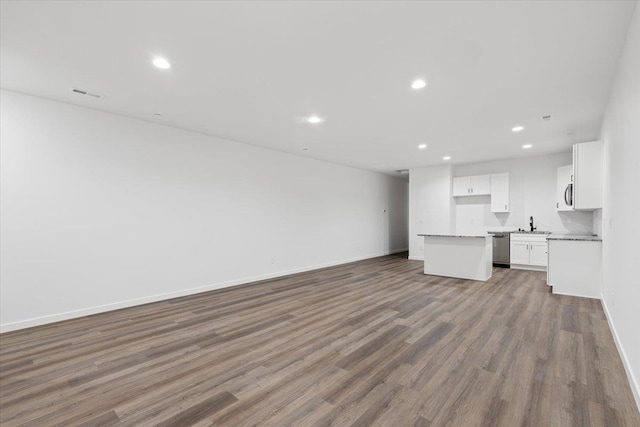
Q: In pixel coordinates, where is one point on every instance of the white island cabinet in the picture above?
(574, 265)
(464, 257)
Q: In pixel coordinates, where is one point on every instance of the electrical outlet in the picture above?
(273, 260)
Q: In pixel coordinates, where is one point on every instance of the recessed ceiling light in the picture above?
(315, 120)
(517, 129)
(161, 63)
(527, 146)
(422, 146)
(446, 158)
(418, 84)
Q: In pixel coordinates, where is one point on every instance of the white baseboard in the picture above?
(527, 267)
(397, 251)
(575, 295)
(415, 258)
(37, 321)
(635, 388)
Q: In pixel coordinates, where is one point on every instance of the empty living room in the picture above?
(320, 213)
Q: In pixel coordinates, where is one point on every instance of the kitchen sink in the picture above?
(530, 232)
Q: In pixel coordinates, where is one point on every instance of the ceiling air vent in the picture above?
(86, 93)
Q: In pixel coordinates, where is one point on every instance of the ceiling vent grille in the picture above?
(87, 93)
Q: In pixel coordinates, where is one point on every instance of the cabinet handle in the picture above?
(505, 207)
(557, 205)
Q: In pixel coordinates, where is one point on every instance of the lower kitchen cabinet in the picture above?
(519, 252)
(528, 251)
(574, 267)
(538, 253)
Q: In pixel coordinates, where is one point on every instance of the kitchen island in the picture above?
(460, 256)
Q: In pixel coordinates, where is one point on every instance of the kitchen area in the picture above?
(556, 200)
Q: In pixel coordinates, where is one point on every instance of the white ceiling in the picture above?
(248, 71)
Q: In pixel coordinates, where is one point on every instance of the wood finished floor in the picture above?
(369, 343)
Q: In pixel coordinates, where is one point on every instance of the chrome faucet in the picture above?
(531, 224)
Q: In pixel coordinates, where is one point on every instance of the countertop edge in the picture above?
(576, 239)
(459, 236)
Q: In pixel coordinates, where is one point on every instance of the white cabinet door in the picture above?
(480, 185)
(519, 253)
(587, 175)
(500, 192)
(538, 254)
(565, 177)
(462, 186)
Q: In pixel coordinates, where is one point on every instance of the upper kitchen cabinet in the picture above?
(564, 188)
(479, 185)
(587, 176)
(500, 192)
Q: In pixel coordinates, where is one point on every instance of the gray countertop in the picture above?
(577, 237)
(456, 235)
(550, 236)
(531, 232)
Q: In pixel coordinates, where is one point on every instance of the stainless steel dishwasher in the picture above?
(501, 248)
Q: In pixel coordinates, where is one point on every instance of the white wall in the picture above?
(430, 206)
(100, 211)
(532, 192)
(621, 211)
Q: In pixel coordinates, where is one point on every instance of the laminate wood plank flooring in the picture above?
(371, 343)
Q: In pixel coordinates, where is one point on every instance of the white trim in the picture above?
(397, 251)
(528, 267)
(58, 317)
(573, 295)
(635, 388)
(415, 258)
